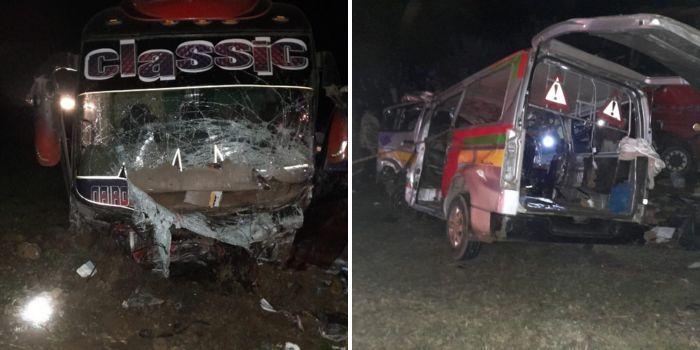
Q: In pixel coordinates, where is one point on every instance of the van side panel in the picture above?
(477, 155)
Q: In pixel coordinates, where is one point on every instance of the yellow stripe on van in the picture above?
(399, 156)
(492, 156)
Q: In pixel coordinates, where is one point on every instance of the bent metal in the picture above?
(196, 56)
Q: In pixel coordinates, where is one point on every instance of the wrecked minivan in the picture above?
(552, 133)
(397, 130)
(194, 128)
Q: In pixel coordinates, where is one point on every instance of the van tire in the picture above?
(459, 234)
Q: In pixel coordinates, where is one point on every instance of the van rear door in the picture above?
(673, 44)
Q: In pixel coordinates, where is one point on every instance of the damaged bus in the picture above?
(553, 134)
(194, 128)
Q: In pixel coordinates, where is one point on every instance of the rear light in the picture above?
(509, 173)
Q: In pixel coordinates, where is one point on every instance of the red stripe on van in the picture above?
(456, 145)
(522, 65)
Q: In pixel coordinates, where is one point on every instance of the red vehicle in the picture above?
(676, 122)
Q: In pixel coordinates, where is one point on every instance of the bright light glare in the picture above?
(600, 122)
(38, 311)
(67, 103)
(341, 150)
(298, 166)
(548, 141)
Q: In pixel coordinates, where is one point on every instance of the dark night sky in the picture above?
(422, 44)
(32, 30)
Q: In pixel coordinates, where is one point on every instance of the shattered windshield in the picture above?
(260, 127)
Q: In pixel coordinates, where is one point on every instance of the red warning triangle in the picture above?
(613, 114)
(612, 110)
(555, 94)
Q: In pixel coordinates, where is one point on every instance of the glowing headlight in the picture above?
(600, 122)
(548, 141)
(38, 311)
(67, 103)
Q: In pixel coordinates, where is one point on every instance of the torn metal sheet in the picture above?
(271, 228)
(233, 164)
(674, 44)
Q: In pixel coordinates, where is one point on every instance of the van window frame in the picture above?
(635, 92)
(400, 111)
(508, 67)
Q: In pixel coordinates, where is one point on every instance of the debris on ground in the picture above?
(340, 269)
(335, 327)
(29, 250)
(695, 265)
(659, 234)
(140, 298)
(87, 269)
(295, 319)
(340, 266)
(265, 305)
(291, 346)
(671, 208)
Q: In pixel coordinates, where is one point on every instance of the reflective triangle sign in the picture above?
(613, 110)
(556, 93)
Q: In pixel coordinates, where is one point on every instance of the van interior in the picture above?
(574, 122)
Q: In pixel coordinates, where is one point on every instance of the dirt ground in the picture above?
(409, 294)
(210, 308)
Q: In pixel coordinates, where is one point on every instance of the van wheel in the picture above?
(459, 235)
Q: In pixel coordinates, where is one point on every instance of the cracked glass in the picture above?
(265, 128)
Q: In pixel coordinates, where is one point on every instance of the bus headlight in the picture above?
(67, 103)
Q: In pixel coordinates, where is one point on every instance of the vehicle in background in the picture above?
(551, 134)
(676, 123)
(397, 128)
(193, 128)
